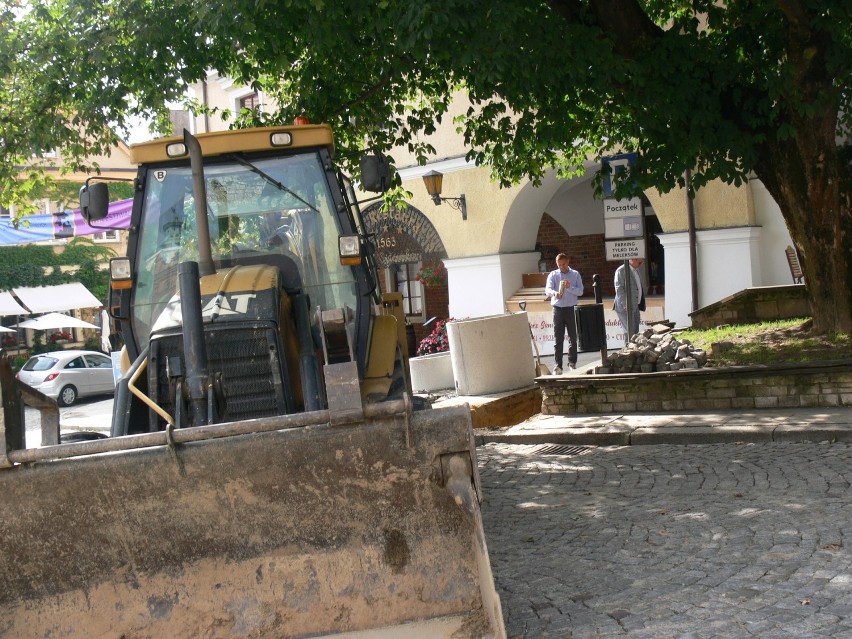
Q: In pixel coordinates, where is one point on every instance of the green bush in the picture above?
(93, 343)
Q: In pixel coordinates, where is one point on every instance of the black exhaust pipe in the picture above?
(194, 348)
(199, 193)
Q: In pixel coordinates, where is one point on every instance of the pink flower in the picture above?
(432, 274)
(437, 341)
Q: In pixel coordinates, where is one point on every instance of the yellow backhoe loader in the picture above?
(268, 473)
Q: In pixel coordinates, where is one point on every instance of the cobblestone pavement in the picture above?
(692, 542)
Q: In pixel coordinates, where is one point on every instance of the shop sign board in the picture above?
(626, 249)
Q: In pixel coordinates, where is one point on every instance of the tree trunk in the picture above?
(807, 173)
(809, 180)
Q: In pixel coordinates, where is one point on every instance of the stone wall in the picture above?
(753, 305)
(730, 388)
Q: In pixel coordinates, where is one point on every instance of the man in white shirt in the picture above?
(564, 286)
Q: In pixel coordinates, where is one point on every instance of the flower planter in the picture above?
(431, 372)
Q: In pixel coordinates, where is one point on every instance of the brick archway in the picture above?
(402, 235)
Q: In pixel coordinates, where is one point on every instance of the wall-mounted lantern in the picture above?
(433, 181)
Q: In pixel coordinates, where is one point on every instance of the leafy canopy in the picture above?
(696, 85)
(720, 89)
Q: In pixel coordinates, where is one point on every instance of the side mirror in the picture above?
(375, 173)
(94, 201)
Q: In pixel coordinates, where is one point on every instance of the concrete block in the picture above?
(812, 433)
(765, 402)
(718, 393)
(431, 372)
(700, 435)
(810, 400)
(489, 354)
(741, 403)
(624, 407)
(829, 399)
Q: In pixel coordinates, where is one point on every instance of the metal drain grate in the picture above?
(558, 449)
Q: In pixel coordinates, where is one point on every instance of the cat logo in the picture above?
(225, 305)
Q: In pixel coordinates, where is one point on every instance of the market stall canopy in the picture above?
(3, 329)
(55, 320)
(62, 297)
(9, 305)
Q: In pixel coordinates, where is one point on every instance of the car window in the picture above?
(77, 362)
(40, 363)
(98, 361)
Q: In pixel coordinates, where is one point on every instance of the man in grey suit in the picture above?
(637, 296)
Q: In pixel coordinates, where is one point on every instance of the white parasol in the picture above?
(55, 320)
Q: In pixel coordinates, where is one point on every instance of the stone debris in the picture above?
(656, 349)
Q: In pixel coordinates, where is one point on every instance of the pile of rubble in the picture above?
(657, 349)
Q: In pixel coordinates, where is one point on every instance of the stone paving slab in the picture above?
(788, 425)
(728, 541)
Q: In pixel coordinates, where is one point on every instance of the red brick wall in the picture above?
(437, 305)
(587, 253)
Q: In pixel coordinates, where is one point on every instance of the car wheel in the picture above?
(67, 396)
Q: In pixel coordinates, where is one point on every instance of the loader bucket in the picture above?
(276, 527)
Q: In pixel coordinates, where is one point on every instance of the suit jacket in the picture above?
(637, 294)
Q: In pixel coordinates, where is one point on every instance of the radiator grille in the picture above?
(247, 357)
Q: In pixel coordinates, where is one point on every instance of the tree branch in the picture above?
(625, 21)
(571, 10)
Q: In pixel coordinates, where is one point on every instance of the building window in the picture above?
(251, 101)
(403, 277)
(106, 236)
(6, 212)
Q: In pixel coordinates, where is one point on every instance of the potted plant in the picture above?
(432, 369)
(432, 274)
(59, 337)
(436, 341)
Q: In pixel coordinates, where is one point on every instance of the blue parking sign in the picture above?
(614, 166)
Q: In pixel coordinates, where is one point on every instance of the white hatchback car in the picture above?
(68, 375)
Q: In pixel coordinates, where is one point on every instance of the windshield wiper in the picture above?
(251, 167)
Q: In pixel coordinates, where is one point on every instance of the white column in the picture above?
(728, 262)
(480, 286)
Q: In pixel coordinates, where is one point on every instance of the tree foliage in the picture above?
(26, 266)
(726, 90)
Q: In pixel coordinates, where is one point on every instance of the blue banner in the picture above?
(57, 226)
